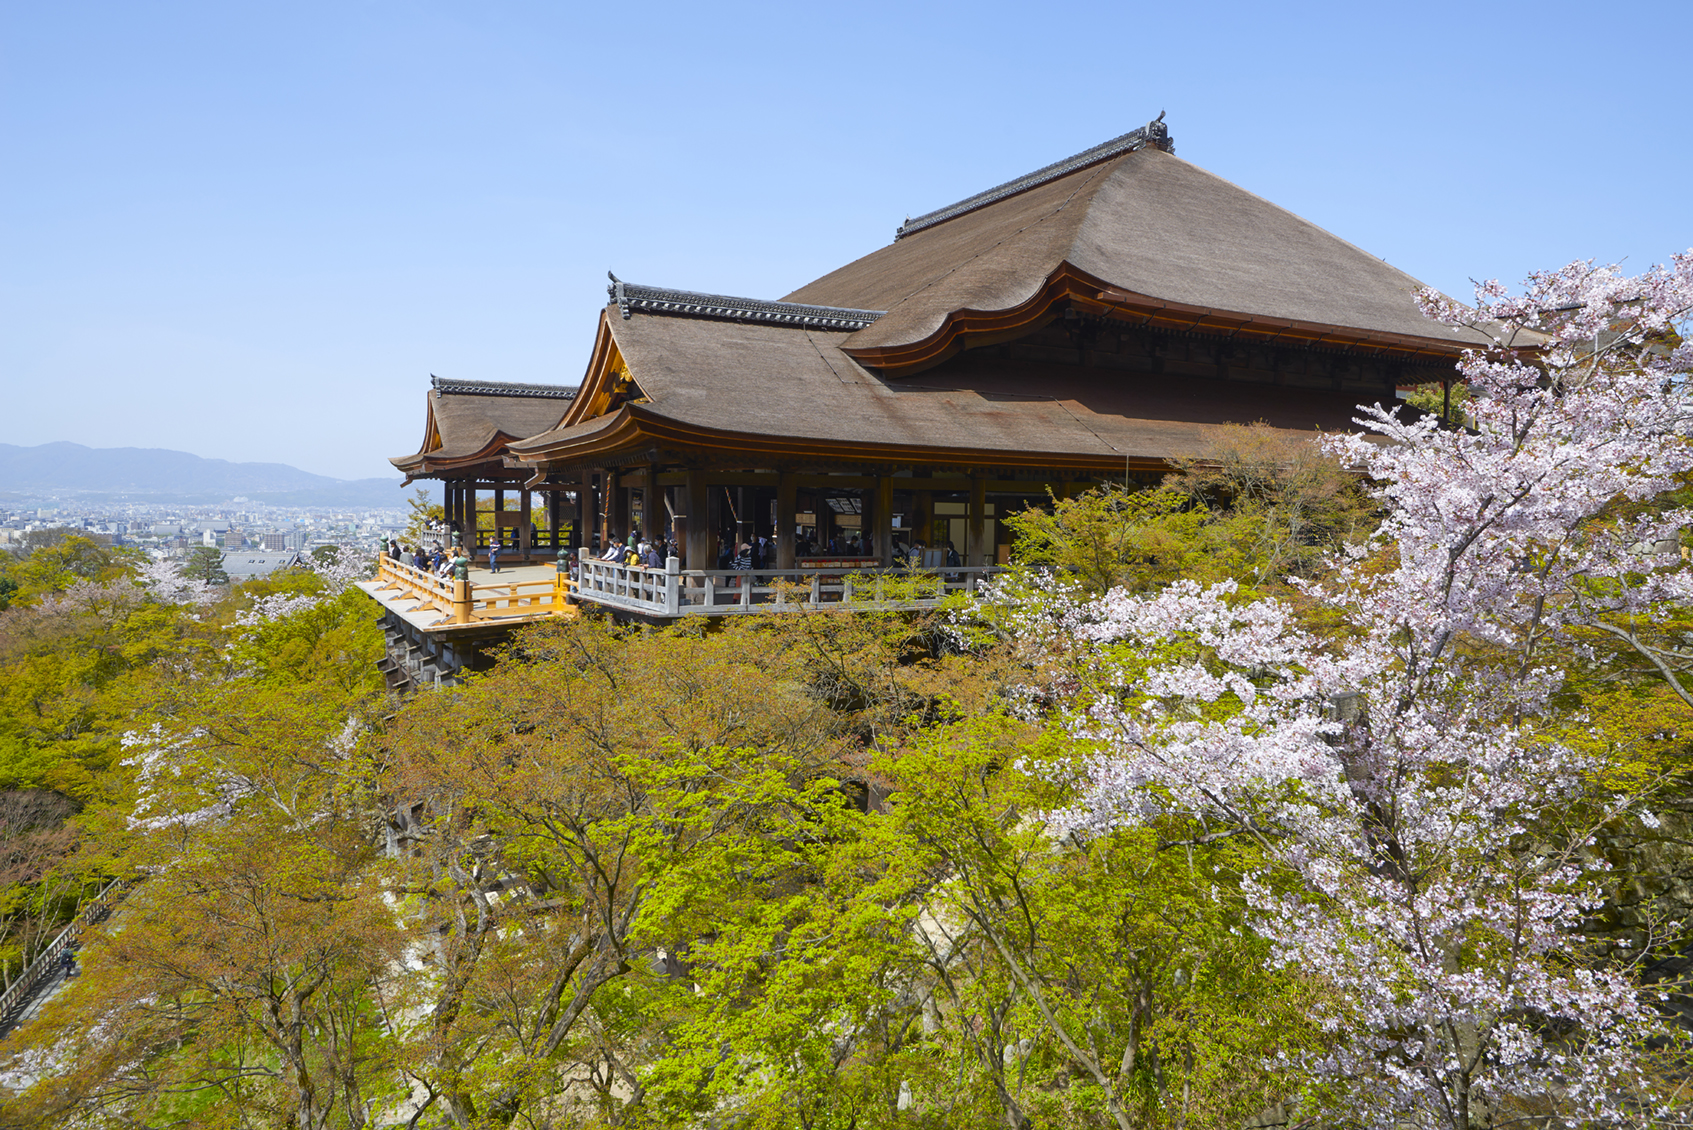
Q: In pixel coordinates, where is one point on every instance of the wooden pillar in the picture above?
(697, 521)
(784, 535)
(602, 509)
(652, 506)
(555, 503)
(469, 518)
(978, 551)
(885, 519)
(582, 523)
(923, 521)
(617, 491)
(523, 537)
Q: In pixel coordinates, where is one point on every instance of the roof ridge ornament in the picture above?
(500, 388)
(1154, 134)
(616, 292)
(630, 298)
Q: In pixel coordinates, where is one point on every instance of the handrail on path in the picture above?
(21, 992)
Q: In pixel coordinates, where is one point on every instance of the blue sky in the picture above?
(252, 230)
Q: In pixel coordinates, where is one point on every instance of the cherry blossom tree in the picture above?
(1431, 836)
(164, 579)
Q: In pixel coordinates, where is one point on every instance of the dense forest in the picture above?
(1328, 784)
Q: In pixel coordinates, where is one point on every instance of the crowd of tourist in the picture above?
(755, 555)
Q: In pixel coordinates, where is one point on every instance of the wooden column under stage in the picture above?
(783, 535)
(978, 551)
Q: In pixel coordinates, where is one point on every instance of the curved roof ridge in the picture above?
(631, 297)
(499, 388)
(1153, 133)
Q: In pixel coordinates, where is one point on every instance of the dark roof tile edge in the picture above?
(631, 297)
(500, 388)
(1153, 133)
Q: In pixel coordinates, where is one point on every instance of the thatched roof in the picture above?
(471, 421)
(1146, 224)
(766, 389)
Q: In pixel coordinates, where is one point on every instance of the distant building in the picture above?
(232, 539)
(252, 563)
(276, 542)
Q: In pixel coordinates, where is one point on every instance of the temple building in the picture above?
(1086, 322)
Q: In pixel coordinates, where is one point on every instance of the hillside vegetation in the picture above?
(1332, 785)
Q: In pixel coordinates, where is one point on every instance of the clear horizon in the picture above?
(252, 233)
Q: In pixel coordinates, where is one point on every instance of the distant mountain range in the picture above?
(110, 474)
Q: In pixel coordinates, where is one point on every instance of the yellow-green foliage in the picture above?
(1258, 506)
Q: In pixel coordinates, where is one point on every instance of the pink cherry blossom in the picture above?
(1439, 887)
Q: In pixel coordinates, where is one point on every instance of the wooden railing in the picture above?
(465, 602)
(21, 992)
(673, 591)
(429, 589)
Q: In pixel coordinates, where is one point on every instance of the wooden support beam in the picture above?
(602, 509)
(524, 527)
(696, 522)
(977, 552)
(617, 488)
(784, 535)
(652, 507)
(884, 518)
(582, 524)
(957, 483)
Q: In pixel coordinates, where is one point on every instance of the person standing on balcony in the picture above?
(494, 548)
